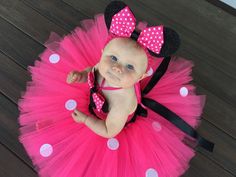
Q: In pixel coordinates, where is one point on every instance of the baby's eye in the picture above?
(130, 67)
(113, 58)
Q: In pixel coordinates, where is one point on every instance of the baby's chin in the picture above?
(112, 80)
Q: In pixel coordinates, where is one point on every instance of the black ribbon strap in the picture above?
(160, 71)
(177, 121)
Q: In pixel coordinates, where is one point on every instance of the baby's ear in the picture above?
(112, 8)
(171, 43)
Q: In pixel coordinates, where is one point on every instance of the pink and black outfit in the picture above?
(159, 137)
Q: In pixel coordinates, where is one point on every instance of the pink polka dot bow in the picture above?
(123, 24)
(97, 97)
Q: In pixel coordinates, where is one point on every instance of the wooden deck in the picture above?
(208, 36)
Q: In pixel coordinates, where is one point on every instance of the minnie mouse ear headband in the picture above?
(160, 41)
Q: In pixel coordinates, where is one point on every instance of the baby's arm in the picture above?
(113, 124)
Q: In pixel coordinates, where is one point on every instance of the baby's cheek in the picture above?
(104, 64)
(130, 79)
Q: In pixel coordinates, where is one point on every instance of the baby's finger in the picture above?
(68, 79)
(74, 77)
(76, 111)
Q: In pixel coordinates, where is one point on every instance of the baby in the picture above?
(122, 64)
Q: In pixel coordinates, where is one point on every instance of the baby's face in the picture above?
(123, 63)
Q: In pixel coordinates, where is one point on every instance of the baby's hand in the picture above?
(74, 76)
(78, 116)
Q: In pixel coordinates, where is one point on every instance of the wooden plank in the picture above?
(88, 7)
(219, 113)
(17, 45)
(23, 18)
(58, 12)
(11, 166)
(12, 76)
(224, 152)
(9, 130)
(28, 20)
(226, 5)
(200, 166)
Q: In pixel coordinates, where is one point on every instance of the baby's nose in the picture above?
(117, 69)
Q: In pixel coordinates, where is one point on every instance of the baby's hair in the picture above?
(133, 43)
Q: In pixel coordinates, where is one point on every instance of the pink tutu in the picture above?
(60, 147)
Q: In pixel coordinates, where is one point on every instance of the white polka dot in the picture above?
(151, 173)
(150, 72)
(46, 150)
(156, 126)
(54, 58)
(183, 91)
(113, 144)
(70, 104)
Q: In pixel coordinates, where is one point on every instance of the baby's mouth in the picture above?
(112, 76)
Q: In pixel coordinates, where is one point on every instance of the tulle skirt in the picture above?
(60, 147)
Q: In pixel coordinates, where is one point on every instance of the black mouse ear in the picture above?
(112, 8)
(171, 43)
